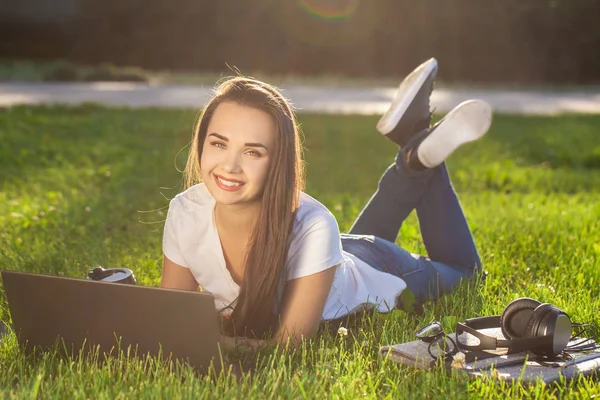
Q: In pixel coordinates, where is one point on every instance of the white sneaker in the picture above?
(468, 121)
(411, 104)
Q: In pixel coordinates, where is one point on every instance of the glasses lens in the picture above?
(441, 347)
(430, 332)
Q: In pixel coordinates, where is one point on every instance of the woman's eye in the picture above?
(218, 145)
(253, 153)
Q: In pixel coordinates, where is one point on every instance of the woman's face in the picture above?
(236, 153)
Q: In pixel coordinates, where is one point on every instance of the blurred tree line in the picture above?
(532, 41)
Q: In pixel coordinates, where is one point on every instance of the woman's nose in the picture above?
(231, 162)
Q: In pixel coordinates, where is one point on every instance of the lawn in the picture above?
(86, 186)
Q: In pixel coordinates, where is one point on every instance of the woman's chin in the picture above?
(230, 198)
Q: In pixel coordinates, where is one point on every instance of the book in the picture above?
(499, 364)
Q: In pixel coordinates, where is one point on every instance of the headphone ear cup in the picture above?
(549, 320)
(516, 316)
(538, 318)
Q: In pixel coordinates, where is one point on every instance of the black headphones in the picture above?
(115, 275)
(527, 325)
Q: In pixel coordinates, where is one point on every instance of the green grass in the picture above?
(88, 186)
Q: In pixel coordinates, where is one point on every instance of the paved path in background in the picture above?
(323, 99)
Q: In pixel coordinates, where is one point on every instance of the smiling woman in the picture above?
(246, 152)
(273, 256)
(235, 156)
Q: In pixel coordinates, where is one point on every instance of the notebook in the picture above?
(501, 365)
(180, 325)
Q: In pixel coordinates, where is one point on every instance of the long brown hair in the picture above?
(256, 307)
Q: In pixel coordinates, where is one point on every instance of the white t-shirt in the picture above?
(191, 240)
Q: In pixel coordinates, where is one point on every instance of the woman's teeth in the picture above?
(227, 183)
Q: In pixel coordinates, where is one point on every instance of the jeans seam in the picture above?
(381, 258)
(380, 254)
(383, 248)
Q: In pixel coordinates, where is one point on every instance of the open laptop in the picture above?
(180, 324)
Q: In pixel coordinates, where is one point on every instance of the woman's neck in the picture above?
(237, 219)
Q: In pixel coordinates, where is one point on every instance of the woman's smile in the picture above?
(230, 185)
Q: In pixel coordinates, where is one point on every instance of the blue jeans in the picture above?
(452, 254)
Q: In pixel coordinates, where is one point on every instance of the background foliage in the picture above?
(534, 41)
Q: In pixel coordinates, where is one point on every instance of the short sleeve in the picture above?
(171, 247)
(315, 248)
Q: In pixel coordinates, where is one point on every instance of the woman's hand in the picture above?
(235, 343)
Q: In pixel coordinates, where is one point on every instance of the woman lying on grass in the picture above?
(272, 256)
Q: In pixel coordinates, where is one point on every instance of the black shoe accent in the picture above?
(408, 127)
(412, 161)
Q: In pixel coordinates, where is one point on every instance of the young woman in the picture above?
(272, 256)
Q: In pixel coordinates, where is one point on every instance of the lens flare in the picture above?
(330, 9)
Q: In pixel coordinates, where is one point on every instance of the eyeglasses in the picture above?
(440, 344)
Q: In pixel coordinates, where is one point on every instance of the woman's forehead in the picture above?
(240, 122)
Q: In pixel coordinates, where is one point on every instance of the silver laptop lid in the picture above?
(183, 324)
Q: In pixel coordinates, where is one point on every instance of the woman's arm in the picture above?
(174, 276)
(302, 306)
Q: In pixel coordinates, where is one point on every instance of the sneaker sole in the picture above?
(467, 122)
(392, 116)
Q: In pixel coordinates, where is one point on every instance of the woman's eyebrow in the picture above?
(223, 138)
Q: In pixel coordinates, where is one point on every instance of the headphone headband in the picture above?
(487, 342)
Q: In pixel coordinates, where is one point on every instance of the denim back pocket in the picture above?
(381, 254)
